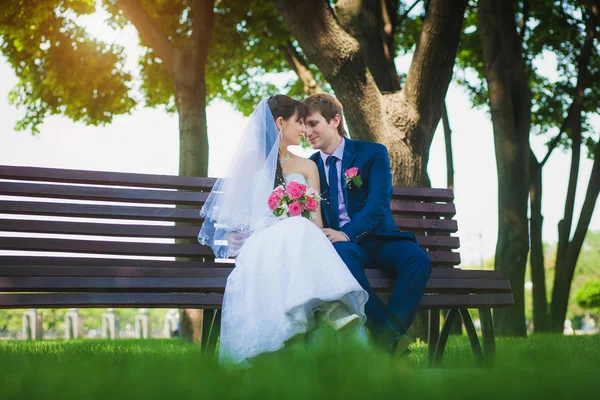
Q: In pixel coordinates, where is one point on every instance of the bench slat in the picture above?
(152, 231)
(430, 210)
(207, 301)
(423, 209)
(105, 178)
(108, 270)
(151, 196)
(146, 249)
(23, 261)
(99, 211)
(59, 175)
(217, 284)
(106, 247)
(423, 194)
(169, 214)
(98, 193)
(19, 266)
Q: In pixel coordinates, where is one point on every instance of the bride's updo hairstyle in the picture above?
(285, 107)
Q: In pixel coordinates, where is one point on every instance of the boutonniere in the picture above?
(352, 177)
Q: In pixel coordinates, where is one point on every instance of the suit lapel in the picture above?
(324, 188)
(347, 160)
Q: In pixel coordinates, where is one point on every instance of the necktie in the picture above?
(334, 213)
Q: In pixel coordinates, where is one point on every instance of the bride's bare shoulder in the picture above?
(305, 164)
(302, 166)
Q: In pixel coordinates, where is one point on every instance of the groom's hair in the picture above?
(326, 105)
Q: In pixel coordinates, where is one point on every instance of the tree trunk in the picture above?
(510, 102)
(564, 226)
(193, 161)
(186, 67)
(565, 268)
(405, 120)
(449, 155)
(190, 98)
(538, 274)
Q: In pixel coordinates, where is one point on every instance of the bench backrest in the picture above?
(155, 216)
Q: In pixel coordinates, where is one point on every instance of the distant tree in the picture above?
(588, 296)
(561, 107)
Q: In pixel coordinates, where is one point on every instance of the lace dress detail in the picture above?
(283, 274)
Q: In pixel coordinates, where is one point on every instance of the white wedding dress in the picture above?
(283, 274)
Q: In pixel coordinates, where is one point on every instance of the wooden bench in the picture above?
(119, 215)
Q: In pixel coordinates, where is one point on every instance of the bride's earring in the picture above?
(280, 133)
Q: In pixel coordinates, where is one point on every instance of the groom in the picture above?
(359, 221)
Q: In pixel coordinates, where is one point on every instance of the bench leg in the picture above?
(441, 344)
(472, 334)
(487, 332)
(433, 333)
(211, 328)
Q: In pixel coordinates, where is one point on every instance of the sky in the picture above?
(147, 142)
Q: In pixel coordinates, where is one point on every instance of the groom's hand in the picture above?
(335, 236)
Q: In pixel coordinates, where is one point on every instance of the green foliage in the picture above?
(61, 69)
(588, 297)
(409, 29)
(249, 40)
(555, 30)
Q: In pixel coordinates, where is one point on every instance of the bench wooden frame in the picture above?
(104, 208)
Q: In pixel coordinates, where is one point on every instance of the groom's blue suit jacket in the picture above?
(368, 206)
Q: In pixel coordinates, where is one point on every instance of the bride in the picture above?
(288, 277)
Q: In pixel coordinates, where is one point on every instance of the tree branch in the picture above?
(431, 68)
(149, 31)
(300, 67)
(582, 78)
(405, 15)
(387, 30)
(587, 210)
(365, 20)
(338, 56)
(523, 22)
(556, 139)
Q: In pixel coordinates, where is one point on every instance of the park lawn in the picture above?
(538, 367)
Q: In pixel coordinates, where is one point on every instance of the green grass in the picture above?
(539, 367)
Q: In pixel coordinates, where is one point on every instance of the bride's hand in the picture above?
(335, 236)
(235, 240)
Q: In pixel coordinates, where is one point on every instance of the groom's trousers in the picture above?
(409, 268)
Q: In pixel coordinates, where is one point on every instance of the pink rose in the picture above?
(295, 190)
(279, 192)
(311, 204)
(273, 201)
(351, 172)
(295, 208)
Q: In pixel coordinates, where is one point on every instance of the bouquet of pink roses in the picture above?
(294, 199)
